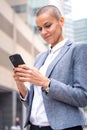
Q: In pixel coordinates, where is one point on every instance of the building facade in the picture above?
(20, 7)
(15, 37)
(80, 30)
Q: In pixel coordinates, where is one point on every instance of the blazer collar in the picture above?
(58, 57)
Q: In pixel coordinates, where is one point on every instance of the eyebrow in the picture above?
(44, 24)
(47, 23)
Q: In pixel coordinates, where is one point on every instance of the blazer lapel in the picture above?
(58, 58)
(41, 60)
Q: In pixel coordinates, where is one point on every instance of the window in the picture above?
(20, 8)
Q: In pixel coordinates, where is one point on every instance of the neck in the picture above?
(58, 41)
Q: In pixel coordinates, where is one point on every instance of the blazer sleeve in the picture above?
(25, 100)
(75, 95)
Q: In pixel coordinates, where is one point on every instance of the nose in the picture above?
(43, 32)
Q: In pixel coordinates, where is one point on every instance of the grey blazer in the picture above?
(68, 88)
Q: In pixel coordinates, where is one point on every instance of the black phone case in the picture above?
(16, 60)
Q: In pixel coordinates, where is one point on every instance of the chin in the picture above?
(50, 42)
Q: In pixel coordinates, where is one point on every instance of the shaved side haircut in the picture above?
(51, 9)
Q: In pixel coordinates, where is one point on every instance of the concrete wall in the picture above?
(15, 37)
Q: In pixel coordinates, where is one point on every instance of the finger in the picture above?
(23, 66)
(20, 70)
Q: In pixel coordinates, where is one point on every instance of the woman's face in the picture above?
(50, 28)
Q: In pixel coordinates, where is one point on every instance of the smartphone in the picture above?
(16, 60)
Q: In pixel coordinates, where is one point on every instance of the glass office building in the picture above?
(68, 27)
(80, 30)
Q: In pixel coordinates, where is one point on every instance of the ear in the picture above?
(61, 20)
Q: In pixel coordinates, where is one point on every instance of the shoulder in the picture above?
(79, 47)
(40, 56)
(80, 51)
(76, 45)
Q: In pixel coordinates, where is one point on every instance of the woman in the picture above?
(58, 89)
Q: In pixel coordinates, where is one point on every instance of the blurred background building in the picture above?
(80, 30)
(15, 37)
(18, 34)
(20, 7)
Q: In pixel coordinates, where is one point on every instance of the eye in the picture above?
(48, 25)
(39, 29)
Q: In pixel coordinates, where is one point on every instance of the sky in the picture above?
(79, 8)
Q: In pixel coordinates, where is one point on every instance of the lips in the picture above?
(47, 38)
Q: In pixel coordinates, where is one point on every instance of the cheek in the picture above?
(54, 30)
(55, 33)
